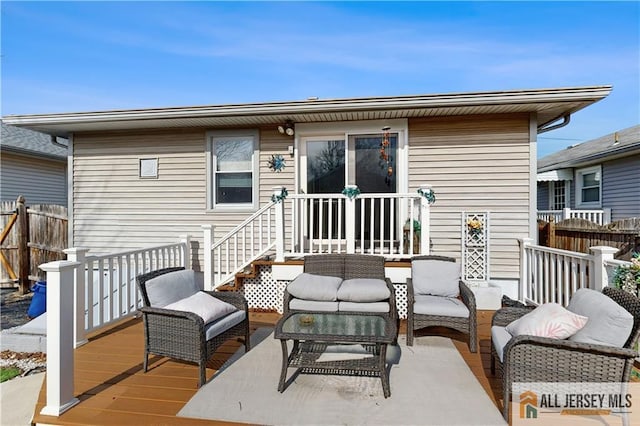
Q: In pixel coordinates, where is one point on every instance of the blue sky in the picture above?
(87, 56)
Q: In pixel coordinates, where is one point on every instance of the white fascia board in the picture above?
(592, 93)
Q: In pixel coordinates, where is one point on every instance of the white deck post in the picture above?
(606, 216)
(600, 277)
(60, 333)
(185, 240)
(350, 220)
(78, 254)
(279, 193)
(208, 263)
(566, 213)
(425, 221)
(524, 268)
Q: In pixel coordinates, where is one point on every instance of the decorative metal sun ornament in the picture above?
(276, 163)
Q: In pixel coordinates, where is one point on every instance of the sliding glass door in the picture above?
(331, 163)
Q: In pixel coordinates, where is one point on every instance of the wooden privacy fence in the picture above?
(30, 237)
(578, 235)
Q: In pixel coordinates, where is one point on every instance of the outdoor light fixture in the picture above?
(287, 128)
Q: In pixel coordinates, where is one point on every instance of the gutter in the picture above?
(54, 141)
(547, 127)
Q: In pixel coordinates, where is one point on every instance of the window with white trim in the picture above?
(558, 195)
(233, 169)
(589, 187)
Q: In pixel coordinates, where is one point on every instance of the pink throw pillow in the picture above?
(548, 320)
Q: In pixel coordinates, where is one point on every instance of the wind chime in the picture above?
(384, 154)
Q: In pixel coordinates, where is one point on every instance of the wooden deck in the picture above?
(113, 390)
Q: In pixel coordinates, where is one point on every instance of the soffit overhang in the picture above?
(548, 104)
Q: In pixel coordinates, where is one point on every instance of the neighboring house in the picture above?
(146, 177)
(599, 174)
(33, 166)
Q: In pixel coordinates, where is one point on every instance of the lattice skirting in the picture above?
(265, 292)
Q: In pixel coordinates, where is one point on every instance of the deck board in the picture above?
(113, 389)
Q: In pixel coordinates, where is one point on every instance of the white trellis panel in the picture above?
(475, 247)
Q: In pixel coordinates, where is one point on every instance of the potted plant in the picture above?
(416, 236)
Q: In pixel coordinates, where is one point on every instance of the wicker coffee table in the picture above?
(313, 332)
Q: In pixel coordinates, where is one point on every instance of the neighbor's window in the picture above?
(234, 173)
(589, 187)
(558, 192)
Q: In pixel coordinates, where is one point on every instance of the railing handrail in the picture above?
(600, 216)
(303, 196)
(616, 262)
(572, 210)
(97, 257)
(226, 252)
(242, 224)
(560, 252)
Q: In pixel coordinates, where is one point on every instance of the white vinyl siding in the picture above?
(475, 164)
(116, 210)
(39, 180)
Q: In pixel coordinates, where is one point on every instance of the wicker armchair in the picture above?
(183, 335)
(465, 324)
(540, 359)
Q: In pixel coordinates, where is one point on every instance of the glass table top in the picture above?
(334, 324)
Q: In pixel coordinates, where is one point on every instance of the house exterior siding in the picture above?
(543, 196)
(39, 180)
(621, 187)
(116, 210)
(475, 164)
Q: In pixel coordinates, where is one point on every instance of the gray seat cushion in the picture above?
(436, 305)
(500, 337)
(314, 287)
(221, 325)
(363, 290)
(435, 277)
(363, 307)
(171, 287)
(609, 323)
(313, 305)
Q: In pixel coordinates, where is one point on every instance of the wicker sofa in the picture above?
(354, 282)
(174, 311)
(529, 358)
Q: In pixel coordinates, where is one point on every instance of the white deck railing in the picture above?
(251, 239)
(553, 275)
(87, 293)
(297, 225)
(368, 224)
(601, 217)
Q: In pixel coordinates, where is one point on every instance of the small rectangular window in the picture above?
(233, 169)
(589, 190)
